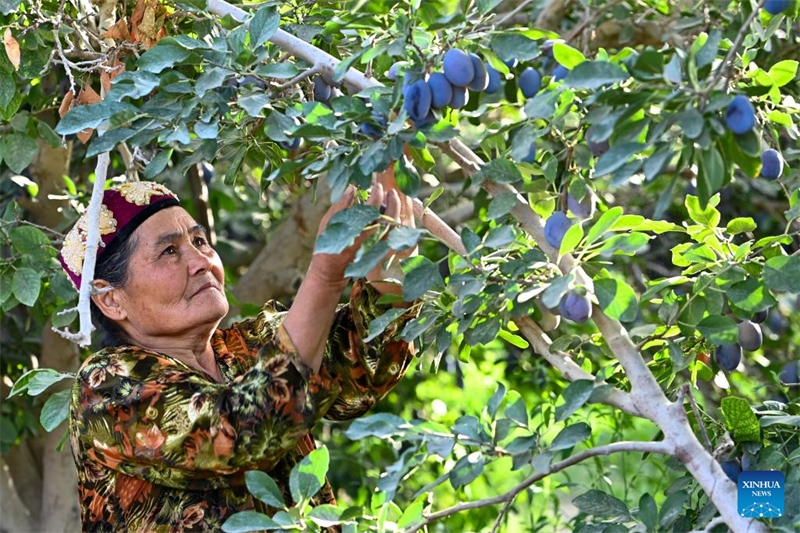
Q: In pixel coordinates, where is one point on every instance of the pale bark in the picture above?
(16, 516)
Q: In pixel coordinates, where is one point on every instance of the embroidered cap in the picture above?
(124, 209)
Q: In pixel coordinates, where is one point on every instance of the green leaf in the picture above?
(571, 239)
(672, 507)
(496, 400)
(91, 116)
(718, 329)
(308, 476)
(625, 244)
(543, 105)
(36, 381)
(421, 274)
(467, 469)
(8, 88)
(499, 237)
(551, 297)
(325, 515)
(379, 324)
(518, 411)
(595, 74)
(570, 436)
(712, 174)
(18, 151)
(403, 238)
(598, 503)
(380, 425)
(499, 171)
(55, 410)
(567, 56)
(575, 395)
(617, 155)
(254, 103)
(32, 242)
(648, 512)
(413, 513)
(741, 225)
(750, 295)
(707, 216)
(344, 227)
(26, 285)
(617, 299)
(603, 224)
(783, 72)
(793, 421)
(501, 205)
(367, 260)
(8, 7)
(162, 56)
(264, 25)
(264, 487)
(740, 419)
(484, 331)
(157, 165)
(782, 273)
(708, 52)
(211, 78)
(245, 521)
(510, 46)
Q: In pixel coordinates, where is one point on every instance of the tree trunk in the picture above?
(278, 269)
(16, 516)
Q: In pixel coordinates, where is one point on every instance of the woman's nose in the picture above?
(198, 261)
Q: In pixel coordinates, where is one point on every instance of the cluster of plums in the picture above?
(728, 356)
(740, 118)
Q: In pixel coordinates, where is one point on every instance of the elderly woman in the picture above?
(170, 414)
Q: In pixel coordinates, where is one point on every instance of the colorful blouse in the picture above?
(162, 446)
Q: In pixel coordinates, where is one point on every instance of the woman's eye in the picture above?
(200, 242)
(169, 250)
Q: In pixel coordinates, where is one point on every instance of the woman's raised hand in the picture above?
(396, 208)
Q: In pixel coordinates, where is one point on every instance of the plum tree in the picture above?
(740, 116)
(480, 79)
(458, 67)
(418, 101)
(773, 7)
(750, 336)
(441, 90)
(530, 81)
(771, 164)
(556, 226)
(575, 306)
(728, 356)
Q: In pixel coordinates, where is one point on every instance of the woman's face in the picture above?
(175, 279)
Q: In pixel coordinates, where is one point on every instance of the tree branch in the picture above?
(616, 447)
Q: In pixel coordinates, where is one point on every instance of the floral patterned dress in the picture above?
(162, 446)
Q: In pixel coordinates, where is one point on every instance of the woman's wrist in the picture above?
(325, 274)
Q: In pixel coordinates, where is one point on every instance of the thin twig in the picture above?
(616, 447)
(697, 417)
(300, 77)
(508, 16)
(588, 20)
(723, 67)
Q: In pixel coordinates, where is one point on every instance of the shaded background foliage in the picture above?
(215, 112)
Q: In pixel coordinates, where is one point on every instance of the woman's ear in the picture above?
(108, 300)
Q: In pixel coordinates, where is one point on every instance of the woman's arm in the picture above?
(309, 320)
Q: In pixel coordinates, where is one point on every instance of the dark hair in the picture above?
(113, 268)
